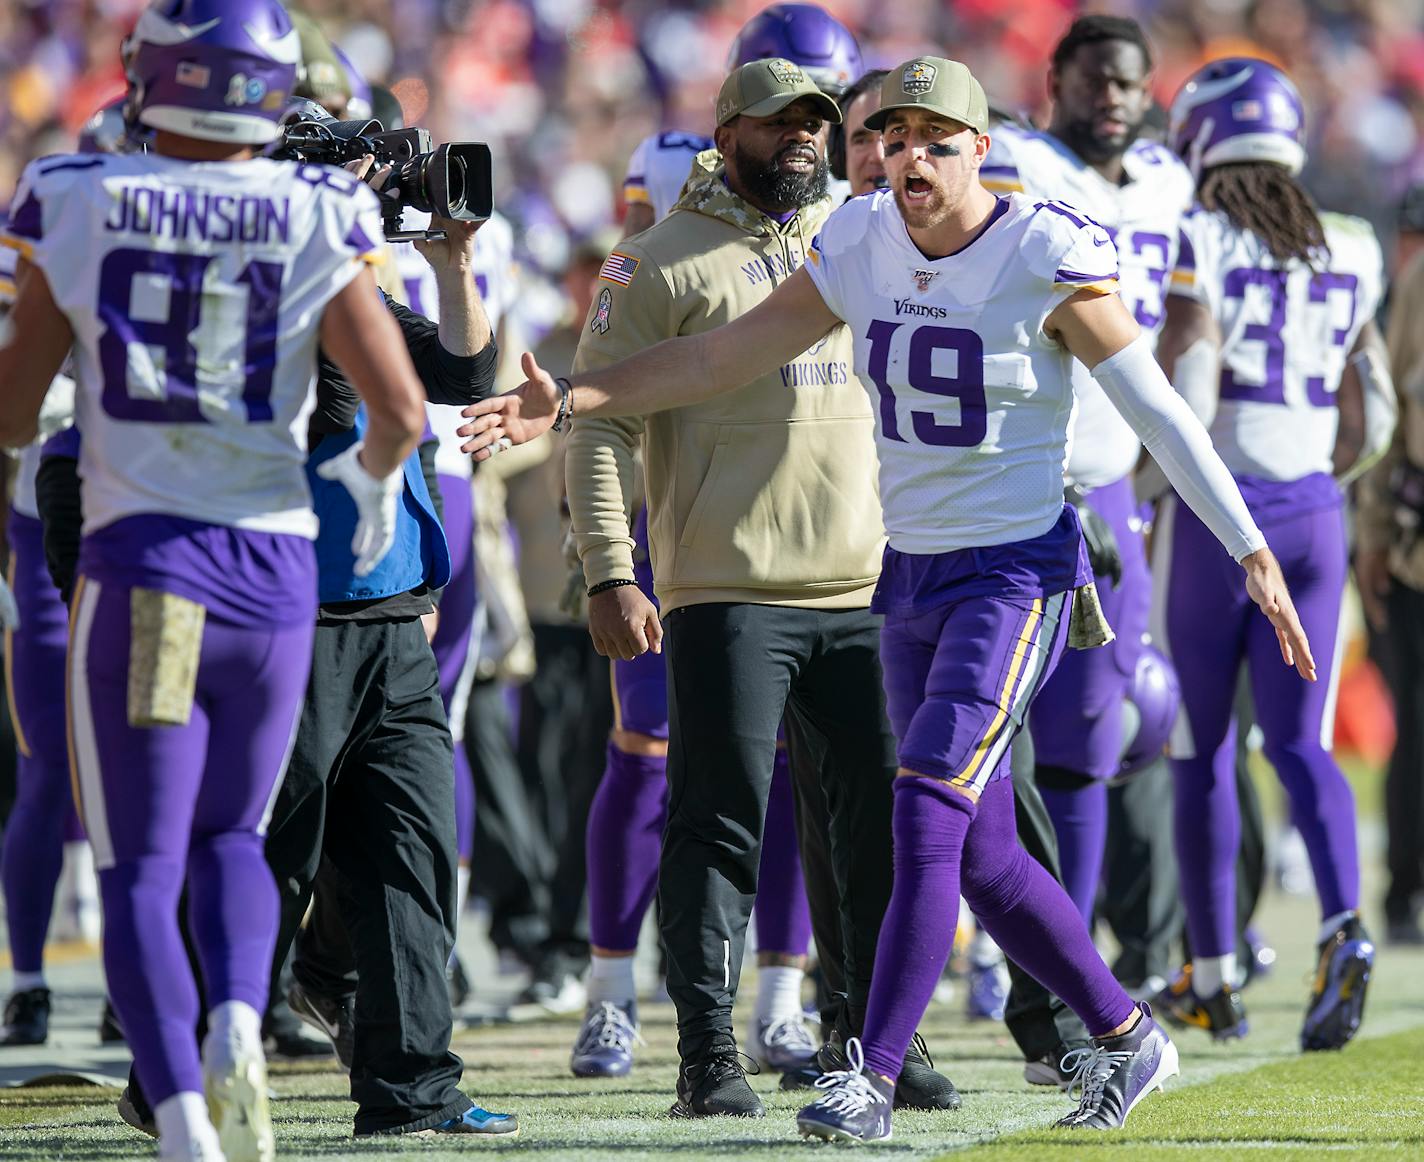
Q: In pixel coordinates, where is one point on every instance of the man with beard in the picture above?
(765, 533)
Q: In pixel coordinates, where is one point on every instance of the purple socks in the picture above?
(625, 829)
(945, 846)
(783, 918)
(1080, 820)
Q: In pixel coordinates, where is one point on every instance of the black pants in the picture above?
(565, 713)
(370, 786)
(734, 671)
(1141, 900)
(516, 860)
(1037, 1020)
(1404, 785)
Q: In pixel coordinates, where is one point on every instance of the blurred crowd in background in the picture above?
(563, 89)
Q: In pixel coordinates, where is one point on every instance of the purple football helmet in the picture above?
(359, 105)
(217, 70)
(1156, 695)
(806, 35)
(107, 131)
(1238, 110)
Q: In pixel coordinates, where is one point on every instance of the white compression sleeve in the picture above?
(1381, 410)
(1197, 378)
(1135, 383)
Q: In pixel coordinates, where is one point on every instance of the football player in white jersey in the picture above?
(967, 310)
(1091, 158)
(1271, 309)
(806, 35)
(193, 285)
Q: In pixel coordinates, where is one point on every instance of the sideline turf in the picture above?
(1365, 1102)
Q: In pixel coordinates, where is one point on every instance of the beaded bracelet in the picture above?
(605, 586)
(566, 404)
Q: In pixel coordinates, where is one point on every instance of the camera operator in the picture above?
(369, 786)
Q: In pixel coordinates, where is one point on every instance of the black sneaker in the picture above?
(136, 1113)
(919, 1086)
(26, 1018)
(333, 1018)
(1115, 1073)
(1222, 1014)
(110, 1031)
(713, 1083)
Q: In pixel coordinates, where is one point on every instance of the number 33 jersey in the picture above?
(195, 292)
(1286, 333)
(971, 397)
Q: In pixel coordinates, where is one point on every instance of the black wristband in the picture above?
(605, 586)
(566, 403)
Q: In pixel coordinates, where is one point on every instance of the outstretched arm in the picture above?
(1098, 330)
(673, 373)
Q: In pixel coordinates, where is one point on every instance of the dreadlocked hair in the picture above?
(1266, 200)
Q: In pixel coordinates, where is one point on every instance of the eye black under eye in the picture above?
(893, 148)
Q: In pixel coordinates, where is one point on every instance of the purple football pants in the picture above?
(1077, 719)
(451, 644)
(1212, 626)
(44, 805)
(1077, 716)
(162, 804)
(958, 682)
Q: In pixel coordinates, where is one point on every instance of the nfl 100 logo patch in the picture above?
(918, 77)
(923, 278)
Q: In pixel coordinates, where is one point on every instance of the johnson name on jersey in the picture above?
(195, 292)
(1143, 216)
(659, 168)
(1286, 334)
(971, 397)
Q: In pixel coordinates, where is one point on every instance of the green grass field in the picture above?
(1257, 1099)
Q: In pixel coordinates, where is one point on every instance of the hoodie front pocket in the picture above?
(707, 490)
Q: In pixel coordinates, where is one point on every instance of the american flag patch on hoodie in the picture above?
(618, 268)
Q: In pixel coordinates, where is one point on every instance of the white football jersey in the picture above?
(659, 168)
(1143, 217)
(495, 274)
(1286, 334)
(971, 398)
(195, 291)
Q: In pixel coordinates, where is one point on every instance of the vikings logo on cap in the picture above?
(923, 278)
(785, 72)
(599, 325)
(918, 77)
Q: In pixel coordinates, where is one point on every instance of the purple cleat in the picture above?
(854, 1107)
(1337, 999)
(1115, 1073)
(604, 1047)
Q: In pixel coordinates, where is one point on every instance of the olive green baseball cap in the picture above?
(761, 88)
(936, 85)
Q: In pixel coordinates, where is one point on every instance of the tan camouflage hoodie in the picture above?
(766, 494)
